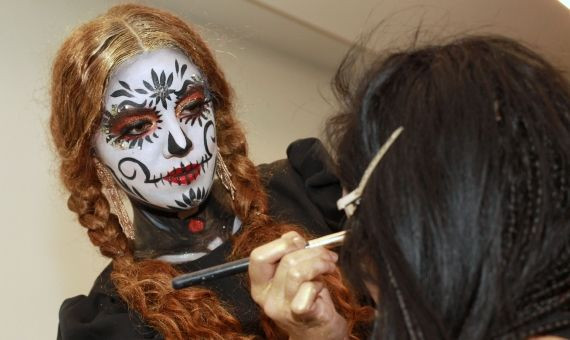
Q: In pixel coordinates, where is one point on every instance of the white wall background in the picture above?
(278, 55)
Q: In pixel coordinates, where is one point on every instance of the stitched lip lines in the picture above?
(186, 174)
(183, 175)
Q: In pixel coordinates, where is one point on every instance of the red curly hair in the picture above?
(80, 73)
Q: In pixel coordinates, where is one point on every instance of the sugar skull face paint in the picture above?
(158, 133)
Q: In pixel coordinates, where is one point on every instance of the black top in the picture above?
(302, 189)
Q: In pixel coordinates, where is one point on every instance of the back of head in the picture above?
(464, 225)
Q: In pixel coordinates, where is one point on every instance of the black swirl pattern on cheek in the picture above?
(125, 186)
(142, 166)
(209, 124)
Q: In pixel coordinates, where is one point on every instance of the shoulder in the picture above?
(303, 188)
(100, 315)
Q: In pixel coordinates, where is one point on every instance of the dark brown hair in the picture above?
(465, 224)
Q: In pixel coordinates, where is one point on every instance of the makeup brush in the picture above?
(238, 266)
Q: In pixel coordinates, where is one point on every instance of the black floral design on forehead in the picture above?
(195, 80)
(160, 89)
(180, 71)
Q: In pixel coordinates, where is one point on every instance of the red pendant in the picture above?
(195, 225)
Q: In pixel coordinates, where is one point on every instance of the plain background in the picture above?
(278, 55)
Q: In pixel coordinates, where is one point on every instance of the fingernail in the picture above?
(299, 306)
(301, 303)
(298, 240)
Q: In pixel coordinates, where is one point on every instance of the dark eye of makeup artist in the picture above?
(192, 103)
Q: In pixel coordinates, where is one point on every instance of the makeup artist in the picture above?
(462, 230)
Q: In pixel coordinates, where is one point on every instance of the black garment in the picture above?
(302, 189)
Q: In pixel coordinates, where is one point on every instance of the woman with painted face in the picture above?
(139, 106)
(461, 230)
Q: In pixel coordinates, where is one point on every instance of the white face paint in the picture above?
(158, 134)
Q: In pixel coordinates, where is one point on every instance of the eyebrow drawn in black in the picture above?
(186, 87)
(124, 92)
(127, 105)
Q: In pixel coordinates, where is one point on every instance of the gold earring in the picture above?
(224, 175)
(115, 200)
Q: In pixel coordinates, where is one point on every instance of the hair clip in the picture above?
(350, 201)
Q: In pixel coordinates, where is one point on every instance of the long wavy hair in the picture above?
(80, 73)
(465, 224)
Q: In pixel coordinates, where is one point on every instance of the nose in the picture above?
(178, 144)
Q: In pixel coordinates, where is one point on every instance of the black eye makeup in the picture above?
(131, 127)
(193, 106)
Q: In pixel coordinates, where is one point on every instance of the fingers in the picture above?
(285, 283)
(314, 309)
(265, 259)
(303, 302)
(302, 266)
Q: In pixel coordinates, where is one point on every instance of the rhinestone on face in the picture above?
(114, 111)
(197, 78)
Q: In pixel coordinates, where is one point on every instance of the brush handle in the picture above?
(240, 266)
(210, 273)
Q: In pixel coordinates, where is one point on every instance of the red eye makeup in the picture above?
(192, 107)
(130, 128)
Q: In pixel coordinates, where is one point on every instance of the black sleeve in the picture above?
(100, 315)
(303, 188)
